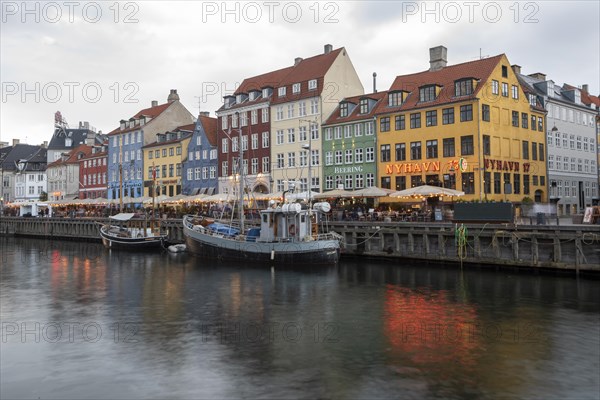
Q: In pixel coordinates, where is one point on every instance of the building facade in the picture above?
(63, 174)
(468, 126)
(125, 160)
(23, 172)
(301, 103)
(350, 143)
(200, 168)
(93, 173)
(245, 120)
(571, 141)
(164, 160)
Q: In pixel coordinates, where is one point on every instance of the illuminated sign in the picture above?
(499, 165)
(412, 168)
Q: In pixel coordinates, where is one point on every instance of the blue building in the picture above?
(125, 155)
(200, 175)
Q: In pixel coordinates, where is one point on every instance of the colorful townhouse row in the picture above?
(481, 126)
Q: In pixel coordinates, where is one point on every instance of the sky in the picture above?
(103, 61)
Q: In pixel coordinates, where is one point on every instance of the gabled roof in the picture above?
(77, 137)
(586, 98)
(83, 149)
(355, 115)
(311, 68)
(271, 79)
(210, 128)
(445, 78)
(151, 112)
(21, 151)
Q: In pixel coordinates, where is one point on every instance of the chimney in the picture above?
(205, 113)
(374, 82)
(90, 138)
(45, 144)
(585, 87)
(516, 69)
(297, 61)
(154, 103)
(15, 142)
(173, 96)
(539, 76)
(437, 58)
(328, 49)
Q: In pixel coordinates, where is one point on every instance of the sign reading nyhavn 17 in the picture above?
(499, 165)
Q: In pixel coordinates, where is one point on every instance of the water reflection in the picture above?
(140, 325)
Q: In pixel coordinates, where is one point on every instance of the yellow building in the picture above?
(164, 159)
(470, 127)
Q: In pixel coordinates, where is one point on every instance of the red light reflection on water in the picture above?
(429, 327)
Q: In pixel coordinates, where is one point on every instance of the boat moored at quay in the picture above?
(123, 231)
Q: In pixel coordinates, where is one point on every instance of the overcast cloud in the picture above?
(135, 52)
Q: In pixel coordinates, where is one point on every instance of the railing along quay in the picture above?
(566, 247)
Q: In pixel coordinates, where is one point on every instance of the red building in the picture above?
(93, 173)
(248, 111)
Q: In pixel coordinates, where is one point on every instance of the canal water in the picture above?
(81, 322)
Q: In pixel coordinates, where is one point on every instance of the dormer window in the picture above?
(364, 106)
(343, 109)
(395, 99)
(281, 92)
(312, 84)
(238, 98)
(266, 92)
(463, 87)
(122, 124)
(254, 95)
(296, 88)
(532, 99)
(68, 142)
(427, 93)
(142, 121)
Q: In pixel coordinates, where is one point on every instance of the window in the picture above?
(533, 124)
(415, 120)
(224, 146)
(416, 181)
(463, 87)
(358, 155)
(395, 99)
(347, 131)
(525, 184)
(265, 115)
(254, 141)
(385, 153)
(468, 182)
(254, 117)
(281, 92)
(541, 151)
(344, 109)
(369, 129)
(302, 109)
(150, 154)
(312, 84)
(515, 91)
(448, 145)
(485, 112)
(466, 113)
(540, 124)
(534, 149)
(400, 183)
(279, 113)
(431, 149)
(504, 89)
(487, 182)
(329, 158)
(171, 152)
(348, 182)
(400, 122)
(466, 145)
(415, 150)
(265, 164)
(431, 118)
(369, 156)
(314, 131)
(497, 183)
(291, 135)
(359, 179)
(329, 182)
(364, 106)
(525, 150)
(296, 88)
(447, 116)
(337, 132)
(265, 140)
(244, 143)
(517, 183)
(504, 71)
(348, 156)
(384, 124)
(280, 160)
(427, 93)
(386, 182)
(486, 145)
(515, 118)
(290, 111)
(338, 157)
(524, 120)
(314, 106)
(400, 151)
(234, 144)
(495, 87)
(358, 130)
(254, 167)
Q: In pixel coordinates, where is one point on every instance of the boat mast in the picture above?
(241, 180)
(121, 190)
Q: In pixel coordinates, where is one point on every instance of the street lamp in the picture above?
(307, 147)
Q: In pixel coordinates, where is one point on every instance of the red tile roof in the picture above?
(445, 77)
(335, 118)
(72, 159)
(258, 82)
(151, 112)
(586, 98)
(188, 127)
(210, 128)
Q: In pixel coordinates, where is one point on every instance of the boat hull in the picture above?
(127, 243)
(280, 253)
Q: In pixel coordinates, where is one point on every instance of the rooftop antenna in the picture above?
(199, 104)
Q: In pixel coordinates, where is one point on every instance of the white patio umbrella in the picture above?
(427, 191)
(372, 191)
(219, 197)
(334, 194)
